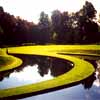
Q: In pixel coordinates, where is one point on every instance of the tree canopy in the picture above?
(62, 28)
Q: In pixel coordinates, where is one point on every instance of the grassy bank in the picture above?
(8, 62)
(79, 72)
(3, 51)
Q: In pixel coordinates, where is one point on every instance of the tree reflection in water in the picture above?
(88, 82)
(94, 79)
(55, 66)
(44, 64)
(98, 72)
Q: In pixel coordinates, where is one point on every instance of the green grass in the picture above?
(8, 62)
(4, 60)
(79, 72)
(3, 51)
(80, 49)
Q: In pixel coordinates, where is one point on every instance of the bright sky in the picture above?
(30, 9)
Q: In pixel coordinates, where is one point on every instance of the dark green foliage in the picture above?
(63, 28)
(44, 26)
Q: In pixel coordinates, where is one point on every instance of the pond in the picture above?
(33, 70)
(40, 68)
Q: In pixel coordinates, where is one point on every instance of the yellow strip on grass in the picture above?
(79, 72)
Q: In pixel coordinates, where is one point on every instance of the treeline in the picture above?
(62, 28)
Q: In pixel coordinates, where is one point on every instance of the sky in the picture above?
(30, 9)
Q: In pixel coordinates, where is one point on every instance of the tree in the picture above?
(87, 27)
(65, 28)
(7, 23)
(56, 19)
(1, 9)
(65, 25)
(89, 11)
(44, 20)
(1, 36)
(45, 28)
(69, 32)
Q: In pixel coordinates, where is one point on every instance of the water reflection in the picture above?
(88, 89)
(40, 68)
(34, 69)
(88, 82)
(97, 74)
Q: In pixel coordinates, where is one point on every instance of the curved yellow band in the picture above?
(78, 72)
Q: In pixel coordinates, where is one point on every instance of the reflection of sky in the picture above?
(93, 93)
(97, 73)
(28, 75)
(73, 93)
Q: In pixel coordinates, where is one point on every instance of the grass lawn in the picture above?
(8, 62)
(71, 49)
(78, 72)
(4, 61)
(3, 51)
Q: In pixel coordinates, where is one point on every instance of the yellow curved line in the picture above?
(79, 72)
(12, 63)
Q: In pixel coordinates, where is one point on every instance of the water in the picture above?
(38, 68)
(88, 89)
(28, 75)
(33, 70)
(72, 93)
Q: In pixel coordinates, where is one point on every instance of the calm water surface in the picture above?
(38, 68)
(33, 70)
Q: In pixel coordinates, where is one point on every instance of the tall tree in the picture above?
(89, 11)
(1, 9)
(44, 27)
(56, 19)
(88, 28)
(44, 20)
